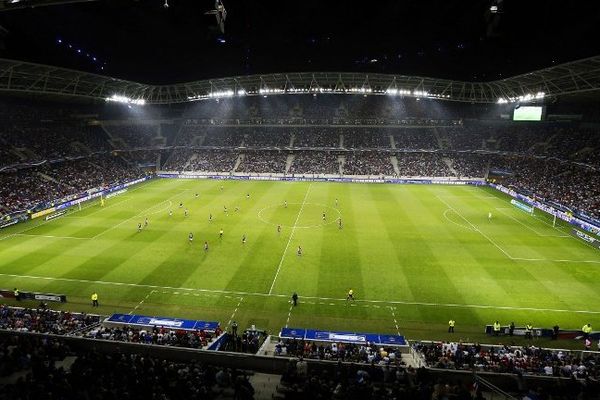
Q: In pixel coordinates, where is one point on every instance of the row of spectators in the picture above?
(43, 320)
(510, 359)
(346, 352)
(157, 336)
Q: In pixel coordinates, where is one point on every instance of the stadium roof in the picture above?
(579, 76)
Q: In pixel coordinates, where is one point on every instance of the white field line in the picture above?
(392, 309)
(318, 300)
(51, 236)
(89, 204)
(234, 312)
(287, 322)
(144, 212)
(475, 228)
(141, 302)
(454, 222)
(529, 227)
(290, 238)
(506, 253)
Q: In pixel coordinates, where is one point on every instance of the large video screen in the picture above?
(528, 113)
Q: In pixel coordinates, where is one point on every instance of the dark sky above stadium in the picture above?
(143, 41)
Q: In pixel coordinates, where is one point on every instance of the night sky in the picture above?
(144, 42)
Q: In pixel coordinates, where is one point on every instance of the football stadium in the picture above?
(298, 209)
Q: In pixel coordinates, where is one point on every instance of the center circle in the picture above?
(299, 215)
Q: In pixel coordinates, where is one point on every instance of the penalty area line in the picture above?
(321, 299)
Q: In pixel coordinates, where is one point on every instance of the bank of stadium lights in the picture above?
(126, 100)
(522, 99)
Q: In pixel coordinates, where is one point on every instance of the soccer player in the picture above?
(244, 239)
(323, 215)
(225, 209)
(489, 216)
(180, 205)
(205, 246)
(350, 295)
(278, 229)
(221, 188)
(146, 222)
(209, 217)
(139, 226)
(185, 213)
(196, 195)
(295, 299)
(221, 234)
(340, 222)
(237, 209)
(285, 204)
(170, 213)
(299, 251)
(191, 237)
(336, 202)
(247, 195)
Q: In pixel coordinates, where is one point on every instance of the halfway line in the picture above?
(290, 238)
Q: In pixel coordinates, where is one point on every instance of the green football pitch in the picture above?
(414, 255)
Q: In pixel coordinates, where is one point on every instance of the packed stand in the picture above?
(346, 352)
(415, 139)
(223, 137)
(571, 185)
(266, 137)
(422, 164)
(118, 375)
(263, 162)
(156, 336)
(361, 138)
(212, 161)
(368, 163)
(44, 320)
(304, 380)
(26, 188)
(315, 162)
(510, 359)
(468, 164)
(317, 137)
(135, 135)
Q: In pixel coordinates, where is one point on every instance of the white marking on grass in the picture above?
(341, 300)
(144, 212)
(141, 302)
(233, 314)
(506, 253)
(287, 323)
(475, 228)
(51, 236)
(395, 321)
(529, 227)
(332, 221)
(290, 238)
(454, 222)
